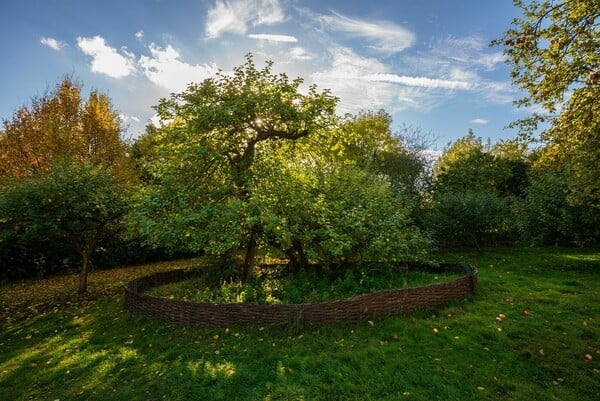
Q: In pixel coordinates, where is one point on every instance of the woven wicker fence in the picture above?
(372, 305)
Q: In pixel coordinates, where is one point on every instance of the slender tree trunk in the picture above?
(297, 257)
(84, 272)
(479, 251)
(86, 251)
(249, 261)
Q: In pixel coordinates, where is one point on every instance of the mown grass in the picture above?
(547, 301)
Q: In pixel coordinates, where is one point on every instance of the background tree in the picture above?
(78, 202)
(44, 142)
(554, 50)
(544, 215)
(61, 127)
(474, 188)
(369, 141)
(468, 165)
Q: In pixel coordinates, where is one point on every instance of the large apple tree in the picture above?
(249, 160)
(214, 133)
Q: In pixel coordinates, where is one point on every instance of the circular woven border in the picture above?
(372, 305)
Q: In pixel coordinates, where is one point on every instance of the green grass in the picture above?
(273, 286)
(91, 349)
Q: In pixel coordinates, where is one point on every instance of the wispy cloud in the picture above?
(52, 43)
(472, 50)
(385, 37)
(480, 121)
(422, 82)
(139, 34)
(165, 68)
(105, 59)
(235, 16)
(273, 38)
(345, 78)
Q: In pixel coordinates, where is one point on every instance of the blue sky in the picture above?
(426, 62)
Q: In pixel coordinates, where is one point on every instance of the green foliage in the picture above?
(72, 202)
(367, 140)
(332, 213)
(474, 188)
(210, 150)
(468, 164)
(545, 215)
(467, 218)
(554, 50)
(246, 161)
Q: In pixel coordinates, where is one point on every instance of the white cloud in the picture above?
(155, 120)
(165, 68)
(139, 34)
(268, 12)
(422, 82)
(489, 61)
(127, 118)
(273, 38)
(105, 59)
(386, 37)
(479, 121)
(52, 43)
(235, 16)
(299, 53)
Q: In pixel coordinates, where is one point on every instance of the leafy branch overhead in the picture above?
(554, 50)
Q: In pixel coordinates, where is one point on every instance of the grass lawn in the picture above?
(528, 334)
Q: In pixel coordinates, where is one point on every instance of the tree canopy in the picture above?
(251, 160)
(77, 202)
(554, 49)
(61, 127)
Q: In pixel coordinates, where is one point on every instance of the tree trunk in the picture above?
(479, 251)
(84, 272)
(86, 252)
(250, 256)
(297, 257)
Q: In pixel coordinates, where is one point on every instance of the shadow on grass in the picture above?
(94, 350)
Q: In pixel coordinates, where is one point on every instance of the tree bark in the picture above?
(84, 272)
(249, 258)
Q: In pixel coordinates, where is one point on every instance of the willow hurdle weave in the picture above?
(354, 309)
